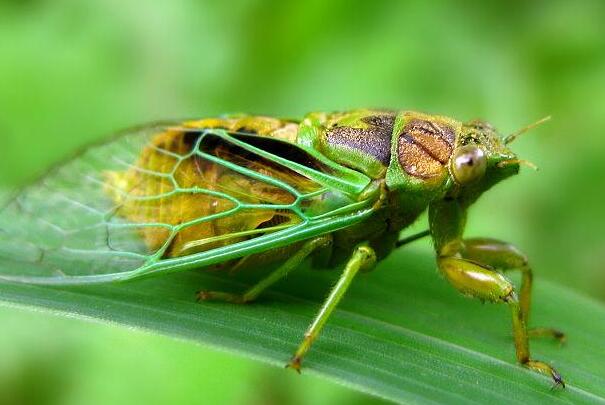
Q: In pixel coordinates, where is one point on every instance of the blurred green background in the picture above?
(72, 72)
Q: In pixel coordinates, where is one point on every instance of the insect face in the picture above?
(480, 160)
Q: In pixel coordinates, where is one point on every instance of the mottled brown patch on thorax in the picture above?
(374, 140)
(424, 147)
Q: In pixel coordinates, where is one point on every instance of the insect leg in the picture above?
(292, 263)
(363, 258)
(480, 281)
(471, 270)
(505, 256)
(412, 238)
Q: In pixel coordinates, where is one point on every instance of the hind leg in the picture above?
(251, 294)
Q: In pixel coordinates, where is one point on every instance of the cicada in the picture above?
(234, 191)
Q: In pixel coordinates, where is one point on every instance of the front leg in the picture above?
(478, 280)
(505, 256)
(470, 266)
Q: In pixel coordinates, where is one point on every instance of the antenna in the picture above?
(510, 138)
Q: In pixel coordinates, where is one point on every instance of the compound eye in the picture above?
(468, 164)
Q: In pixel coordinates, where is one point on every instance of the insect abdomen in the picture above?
(161, 187)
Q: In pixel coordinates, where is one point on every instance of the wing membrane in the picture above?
(165, 197)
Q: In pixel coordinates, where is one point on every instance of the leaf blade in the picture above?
(403, 336)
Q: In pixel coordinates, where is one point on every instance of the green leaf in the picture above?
(401, 332)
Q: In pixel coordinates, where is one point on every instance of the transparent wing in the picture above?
(167, 197)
